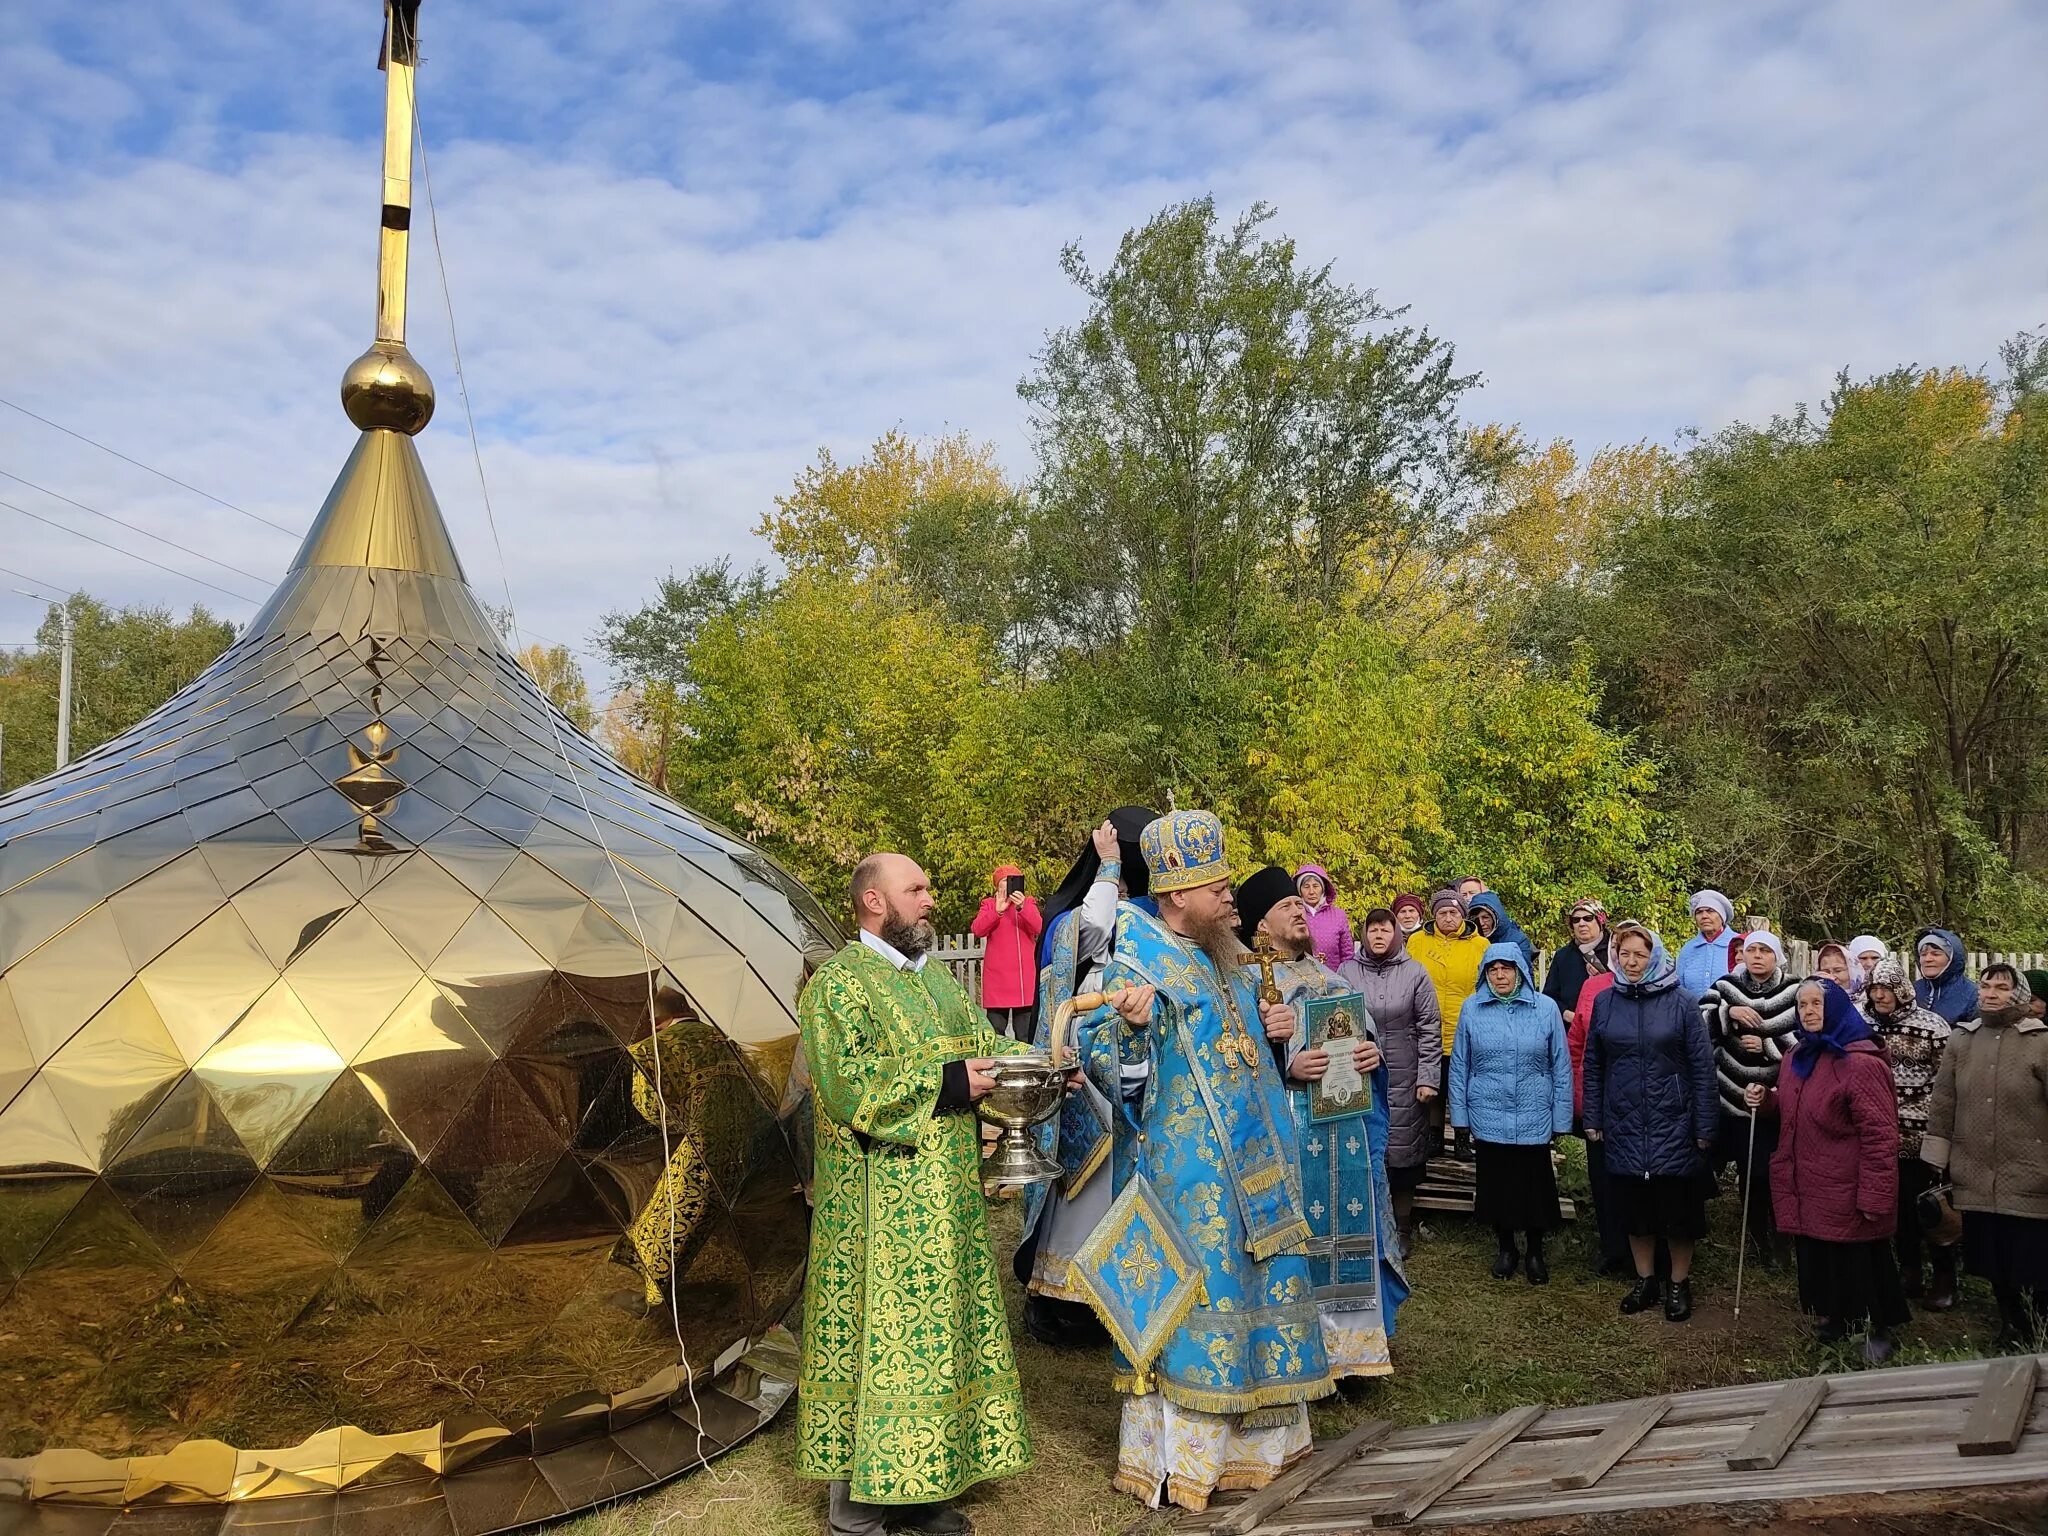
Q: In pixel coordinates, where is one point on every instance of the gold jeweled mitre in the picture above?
(398, 1100)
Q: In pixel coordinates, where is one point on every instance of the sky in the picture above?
(689, 243)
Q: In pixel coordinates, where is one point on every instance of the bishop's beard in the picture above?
(1217, 938)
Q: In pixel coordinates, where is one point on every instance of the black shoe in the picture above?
(1063, 1324)
(1644, 1294)
(1535, 1266)
(1913, 1283)
(1678, 1301)
(1832, 1330)
(1506, 1262)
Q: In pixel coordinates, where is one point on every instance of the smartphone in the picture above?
(1012, 884)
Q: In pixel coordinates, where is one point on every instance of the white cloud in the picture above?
(690, 245)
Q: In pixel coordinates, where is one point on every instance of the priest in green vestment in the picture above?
(908, 1393)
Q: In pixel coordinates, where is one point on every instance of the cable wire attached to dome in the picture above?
(651, 963)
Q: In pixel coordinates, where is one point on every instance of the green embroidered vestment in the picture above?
(908, 1388)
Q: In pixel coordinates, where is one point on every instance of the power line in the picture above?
(117, 549)
(151, 468)
(37, 581)
(131, 527)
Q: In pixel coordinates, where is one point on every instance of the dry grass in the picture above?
(1467, 1345)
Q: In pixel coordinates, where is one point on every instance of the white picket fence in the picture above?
(962, 952)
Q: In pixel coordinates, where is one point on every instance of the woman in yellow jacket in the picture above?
(1451, 954)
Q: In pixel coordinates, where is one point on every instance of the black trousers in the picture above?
(1017, 1023)
(1733, 1145)
(1614, 1247)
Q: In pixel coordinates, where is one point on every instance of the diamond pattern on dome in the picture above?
(269, 1070)
(381, 1123)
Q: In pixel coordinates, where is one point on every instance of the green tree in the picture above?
(1832, 630)
(1226, 415)
(125, 663)
(652, 643)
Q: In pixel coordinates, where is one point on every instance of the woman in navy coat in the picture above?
(1651, 1099)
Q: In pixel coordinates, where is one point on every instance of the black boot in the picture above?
(1832, 1330)
(1644, 1294)
(1912, 1281)
(1678, 1301)
(1507, 1260)
(1538, 1270)
(1941, 1295)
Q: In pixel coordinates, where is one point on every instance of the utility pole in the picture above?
(64, 687)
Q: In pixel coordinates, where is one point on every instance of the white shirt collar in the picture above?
(889, 952)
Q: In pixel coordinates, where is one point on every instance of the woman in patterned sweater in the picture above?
(1914, 1037)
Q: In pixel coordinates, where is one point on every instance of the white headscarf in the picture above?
(1863, 944)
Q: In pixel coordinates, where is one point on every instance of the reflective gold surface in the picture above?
(379, 1064)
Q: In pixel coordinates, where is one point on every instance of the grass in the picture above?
(1467, 1345)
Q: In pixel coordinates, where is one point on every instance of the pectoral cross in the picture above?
(1236, 1047)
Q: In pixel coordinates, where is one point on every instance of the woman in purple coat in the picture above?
(1835, 1173)
(1329, 925)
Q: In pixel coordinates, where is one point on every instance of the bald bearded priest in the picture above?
(1199, 1269)
(1353, 1260)
(907, 1391)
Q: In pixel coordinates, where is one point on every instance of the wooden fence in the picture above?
(962, 953)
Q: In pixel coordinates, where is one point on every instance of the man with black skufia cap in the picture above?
(1080, 923)
(1354, 1260)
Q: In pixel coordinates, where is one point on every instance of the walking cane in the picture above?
(1742, 1238)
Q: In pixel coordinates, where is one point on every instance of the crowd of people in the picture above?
(1261, 1077)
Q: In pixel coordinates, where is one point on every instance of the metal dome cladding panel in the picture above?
(363, 1150)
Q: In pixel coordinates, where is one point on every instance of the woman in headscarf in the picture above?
(1402, 1000)
(1987, 1129)
(1652, 1112)
(1832, 961)
(1490, 920)
(1411, 913)
(1329, 925)
(1511, 1086)
(1941, 985)
(1865, 950)
(1835, 1173)
(1080, 921)
(1751, 1014)
(1710, 953)
(1914, 1038)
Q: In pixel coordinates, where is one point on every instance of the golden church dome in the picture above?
(397, 1098)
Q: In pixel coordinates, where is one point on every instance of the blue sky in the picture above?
(691, 242)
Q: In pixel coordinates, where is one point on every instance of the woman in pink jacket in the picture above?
(1329, 925)
(1009, 921)
(1835, 1174)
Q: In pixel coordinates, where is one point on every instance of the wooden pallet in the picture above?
(1971, 1424)
(1446, 1187)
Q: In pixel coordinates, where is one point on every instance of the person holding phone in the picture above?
(1009, 924)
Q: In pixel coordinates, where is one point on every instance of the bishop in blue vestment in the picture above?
(1185, 1053)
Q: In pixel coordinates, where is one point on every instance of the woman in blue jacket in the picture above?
(1511, 1086)
(1652, 1101)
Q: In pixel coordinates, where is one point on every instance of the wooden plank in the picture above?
(1614, 1442)
(1766, 1444)
(1999, 1415)
(1404, 1506)
(1277, 1495)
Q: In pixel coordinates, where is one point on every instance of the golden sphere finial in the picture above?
(387, 387)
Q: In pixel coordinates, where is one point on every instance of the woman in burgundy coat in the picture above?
(1835, 1174)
